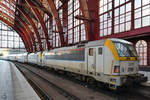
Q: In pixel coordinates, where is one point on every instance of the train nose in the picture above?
(128, 67)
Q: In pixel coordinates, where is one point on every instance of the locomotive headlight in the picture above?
(116, 69)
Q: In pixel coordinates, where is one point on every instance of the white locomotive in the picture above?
(111, 61)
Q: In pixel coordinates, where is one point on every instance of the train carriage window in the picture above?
(100, 51)
(91, 52)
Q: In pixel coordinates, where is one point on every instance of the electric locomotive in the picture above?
(111, 61)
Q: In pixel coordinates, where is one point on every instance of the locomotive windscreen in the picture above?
(125, 50)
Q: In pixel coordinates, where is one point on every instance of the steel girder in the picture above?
(23, 38)
(29, 19)
(94, 16)
(13, 1)
(57, 20)
(85, 11)
(29, 31)
(91, 22)
(39, 17)
(26, 34)
(11, 19)
(65, 20)
(145, 31)
(26, 26)
(11, 11)
(42, 8)
(18, 31)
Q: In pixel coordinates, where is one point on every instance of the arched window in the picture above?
(141, 47)
(9, 39)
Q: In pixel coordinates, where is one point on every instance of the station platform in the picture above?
(13, 85)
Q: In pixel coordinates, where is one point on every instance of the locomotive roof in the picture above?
(120, 40)
(96, 43)
(101, 42)
(92, 44)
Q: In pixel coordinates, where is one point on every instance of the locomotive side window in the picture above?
(91, 51)
(100, 51)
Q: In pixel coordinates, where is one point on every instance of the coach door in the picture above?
(91, 61)
(99, 60)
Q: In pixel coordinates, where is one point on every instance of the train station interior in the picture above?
(74, 49)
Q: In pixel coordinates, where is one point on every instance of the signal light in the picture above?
(116, 69)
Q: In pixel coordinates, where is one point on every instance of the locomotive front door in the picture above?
(91, 61)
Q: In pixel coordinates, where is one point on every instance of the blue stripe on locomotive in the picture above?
(71, 55)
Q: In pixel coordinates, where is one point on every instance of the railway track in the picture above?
(69, 95)
(42, 94)
(45, 94)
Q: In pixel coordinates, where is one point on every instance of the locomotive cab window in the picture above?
(100, 51)
(91, 52)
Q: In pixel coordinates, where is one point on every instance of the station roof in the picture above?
(26, 17)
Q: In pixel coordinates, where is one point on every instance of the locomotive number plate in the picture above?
(130, 69)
